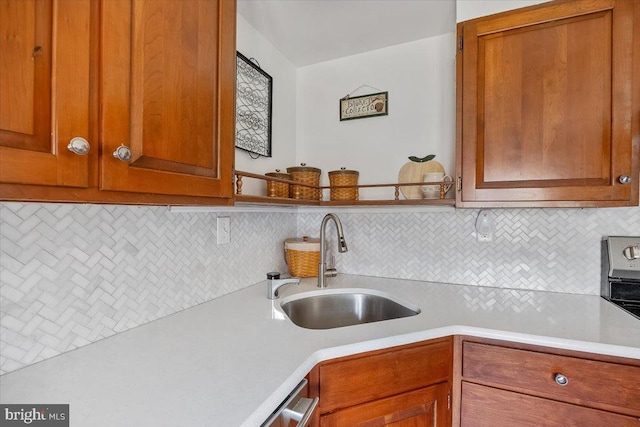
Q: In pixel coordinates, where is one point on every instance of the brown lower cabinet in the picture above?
(487, 406)
(468, 381)
(425, 407)
(509, 384)
(400, 386)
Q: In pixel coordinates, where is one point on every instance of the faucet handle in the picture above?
(330, 272)
(273, 275)
(331, 265)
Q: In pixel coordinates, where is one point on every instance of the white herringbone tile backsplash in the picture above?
(542, 249)
(73, 274)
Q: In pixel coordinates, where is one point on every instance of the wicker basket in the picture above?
(278, 189)
(306, 175)
(340, 178)
(302, 256)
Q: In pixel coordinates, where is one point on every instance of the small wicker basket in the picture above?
(278, 189)
(340, 178)
(302, 256)
(306, 175)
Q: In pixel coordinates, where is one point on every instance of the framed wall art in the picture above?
(254, 94)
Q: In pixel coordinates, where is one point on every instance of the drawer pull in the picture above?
(561, 380)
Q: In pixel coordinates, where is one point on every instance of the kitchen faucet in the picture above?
(323, 271)
(274, 282)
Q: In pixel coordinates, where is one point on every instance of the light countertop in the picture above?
(230, 361)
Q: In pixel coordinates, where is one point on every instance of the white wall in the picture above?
(253, 45)
(470, 9)
(420, 79)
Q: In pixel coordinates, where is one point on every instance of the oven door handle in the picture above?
(302, 410)
(295, 407)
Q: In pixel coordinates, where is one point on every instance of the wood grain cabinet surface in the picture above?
(492, 407)
(156, 77)
(44, 91)
(426, 407)
(548, 106)
(402, 386)
(517, 386)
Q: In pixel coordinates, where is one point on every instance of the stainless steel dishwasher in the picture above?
(295, 407)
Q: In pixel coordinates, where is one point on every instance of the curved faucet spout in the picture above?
(323, 271)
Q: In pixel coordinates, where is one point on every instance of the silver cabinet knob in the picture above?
(79, 146)
(561, 380)
(624, 179)
(631, 252)
(122, 153)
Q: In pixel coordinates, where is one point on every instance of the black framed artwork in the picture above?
(254, 94)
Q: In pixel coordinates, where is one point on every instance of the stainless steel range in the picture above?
(621, 272)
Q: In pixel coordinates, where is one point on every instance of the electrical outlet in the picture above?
(484, 226)
(484, 237)
(223, 230)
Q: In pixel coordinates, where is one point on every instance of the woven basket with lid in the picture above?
(302, 256)
(306, 175)
(278, 189)
(340, 178)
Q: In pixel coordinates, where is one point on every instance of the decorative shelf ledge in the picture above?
(301, 209)
(242, 198)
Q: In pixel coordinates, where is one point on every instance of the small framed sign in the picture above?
(360, 107)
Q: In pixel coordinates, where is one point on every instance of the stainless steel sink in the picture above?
(324, 310)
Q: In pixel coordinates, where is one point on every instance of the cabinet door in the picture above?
(367, 377)
(44, 91)
(546, 106)
(168, 78)
(421, 408)
(490, 407)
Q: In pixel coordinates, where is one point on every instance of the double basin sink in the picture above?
(325, 309)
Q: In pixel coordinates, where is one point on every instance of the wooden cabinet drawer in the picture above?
(603, 385)
(354, 380)
(489, 407)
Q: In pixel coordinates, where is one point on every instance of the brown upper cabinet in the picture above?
(44, 91)
(548, 106)
(153, 82)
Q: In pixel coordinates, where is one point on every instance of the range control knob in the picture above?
(631, 252)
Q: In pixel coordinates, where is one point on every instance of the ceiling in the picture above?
(312, 31)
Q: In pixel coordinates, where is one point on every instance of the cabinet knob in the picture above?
(624, 179)
(561, 380)
(79, 146)
(122, 153)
